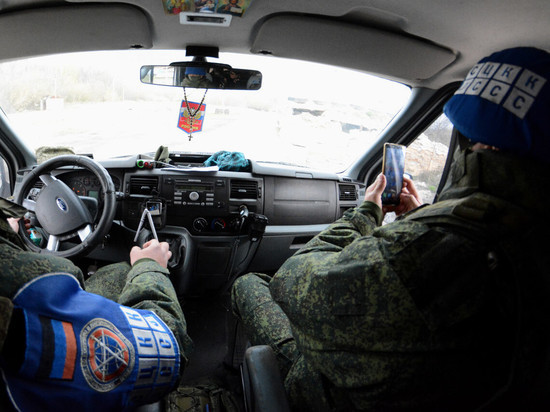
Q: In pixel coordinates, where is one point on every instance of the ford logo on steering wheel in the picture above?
(61, 204)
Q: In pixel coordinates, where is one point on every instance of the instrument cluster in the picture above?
(87, 184)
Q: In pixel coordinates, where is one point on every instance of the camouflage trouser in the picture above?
(109, 280)
(265, 323)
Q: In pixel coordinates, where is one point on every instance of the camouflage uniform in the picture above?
(416, 314)
(118, 282)
(145, 285)
(44, 153)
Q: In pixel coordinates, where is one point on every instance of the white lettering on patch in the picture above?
(513, 87)
(477, 86)
(530, 83)
(488, 70)
(507, 73)
(518, 103)
(495, 91)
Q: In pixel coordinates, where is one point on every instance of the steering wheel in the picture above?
(61, 213)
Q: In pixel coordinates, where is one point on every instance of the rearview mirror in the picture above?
(201, 75)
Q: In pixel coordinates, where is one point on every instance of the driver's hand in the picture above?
(158, 251)
(14, 223)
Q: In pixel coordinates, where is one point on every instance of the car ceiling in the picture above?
(424, 43)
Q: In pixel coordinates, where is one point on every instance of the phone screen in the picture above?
(393, 167)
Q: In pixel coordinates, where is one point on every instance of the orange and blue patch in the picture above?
(59, 350)
(88, 350)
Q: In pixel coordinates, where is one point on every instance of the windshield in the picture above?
(305, 114)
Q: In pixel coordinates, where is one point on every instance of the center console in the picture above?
(203, 204)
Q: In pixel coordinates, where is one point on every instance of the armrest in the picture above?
(262, 383)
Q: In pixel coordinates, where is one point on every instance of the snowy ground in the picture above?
(114, 129)
(312, 140)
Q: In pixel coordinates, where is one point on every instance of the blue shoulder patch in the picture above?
(85, 352)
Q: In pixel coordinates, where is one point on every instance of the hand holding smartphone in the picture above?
(393, 167)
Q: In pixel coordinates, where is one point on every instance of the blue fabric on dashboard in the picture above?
(231, 161)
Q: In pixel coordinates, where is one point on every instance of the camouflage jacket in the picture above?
(145, 286)
(409, 315)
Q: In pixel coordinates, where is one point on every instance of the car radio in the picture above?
(200, 192)
(187, 194)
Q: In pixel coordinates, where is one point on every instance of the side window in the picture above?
(426, 156)
(5, 190)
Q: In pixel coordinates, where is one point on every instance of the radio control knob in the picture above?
(199, 224)
(194, 196)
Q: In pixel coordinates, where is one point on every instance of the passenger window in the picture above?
(5, 190)
(426, 156)
(425, 160)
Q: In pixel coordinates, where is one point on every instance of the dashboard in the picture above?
(218, 223)
(208, 203)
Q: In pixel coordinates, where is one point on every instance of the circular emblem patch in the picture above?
(107, 356)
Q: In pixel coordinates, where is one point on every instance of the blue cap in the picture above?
(505, 102)
(195, 70)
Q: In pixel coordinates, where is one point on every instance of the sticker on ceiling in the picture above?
(235, 8)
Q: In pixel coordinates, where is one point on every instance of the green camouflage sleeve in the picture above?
(20, 266)
(356, 222)
(148, 286)
(325, 248)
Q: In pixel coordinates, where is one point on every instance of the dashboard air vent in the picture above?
(143, 185)
(244, 189)
(347, 192)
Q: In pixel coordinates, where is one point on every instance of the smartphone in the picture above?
(393, 167)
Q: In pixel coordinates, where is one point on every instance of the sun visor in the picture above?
(391, 54)
(78, 28)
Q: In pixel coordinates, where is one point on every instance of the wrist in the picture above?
(144, 266)
(142, 260)
(369, 208)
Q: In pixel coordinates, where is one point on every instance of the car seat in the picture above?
(262, 383)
